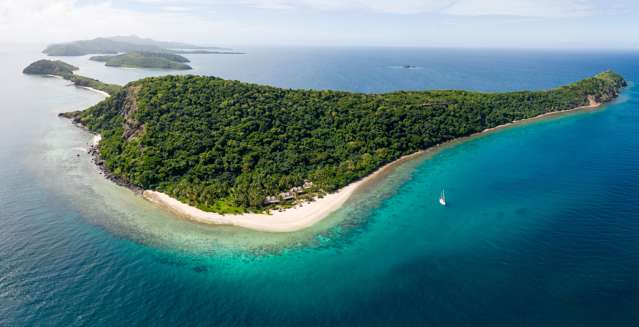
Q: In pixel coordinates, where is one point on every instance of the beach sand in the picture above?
(96, 140)
(84, 87)
(289, 220)
(95, 90)
(306, 214)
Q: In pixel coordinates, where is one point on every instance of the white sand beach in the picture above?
(96, 140)
(96, 90)
(592, 105)
(84, 87)
(289, 220)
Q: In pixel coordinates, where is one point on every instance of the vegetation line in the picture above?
(232, 147)
(307, 214)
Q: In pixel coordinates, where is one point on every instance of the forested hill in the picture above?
(145, 60)
(50, 67)
(225, 145)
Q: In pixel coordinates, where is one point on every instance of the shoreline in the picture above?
(307, 214)
(105, 94)
(94, 152)
(94, 90)
(593, 105)
(293, 219)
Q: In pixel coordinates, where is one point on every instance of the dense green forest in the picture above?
(225, 146)
(167, 56)
(50, 67)
(65, 70)
(145, 59)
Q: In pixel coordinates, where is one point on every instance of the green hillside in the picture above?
(225, 146)
(145, 60)
(50, 67)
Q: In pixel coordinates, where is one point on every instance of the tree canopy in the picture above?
(50, 67)
(225, 145)
(144, 59)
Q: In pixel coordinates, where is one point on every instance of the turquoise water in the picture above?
(541, 228)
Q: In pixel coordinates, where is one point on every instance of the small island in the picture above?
(145, 59)
(227, 152)
(64, 70)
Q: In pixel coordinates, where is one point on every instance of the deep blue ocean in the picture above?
(542, 227)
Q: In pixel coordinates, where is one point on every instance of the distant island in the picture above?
(145, 59)
(123, 44)
(227, 147)
(66, 71)
(50, 67)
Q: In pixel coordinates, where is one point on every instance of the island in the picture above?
(123, 44)
(50, 67)
(228, 152)
(145, 59)
(64, 70)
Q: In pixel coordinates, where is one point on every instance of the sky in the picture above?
(596, 24)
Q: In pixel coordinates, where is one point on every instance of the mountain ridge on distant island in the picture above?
(233, 147)
(134, 39)
(120, 44)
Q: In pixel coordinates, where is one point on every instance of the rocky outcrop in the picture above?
(132, 127)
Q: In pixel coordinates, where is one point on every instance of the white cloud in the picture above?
(176, 9)
(64, 20)
(397, 7)
(525, 8)
(529, 8)
(200, 21)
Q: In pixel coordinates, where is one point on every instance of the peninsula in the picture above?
(228, 152)
(144, 59)
(66, 71)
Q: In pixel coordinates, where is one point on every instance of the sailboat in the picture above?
(442, 198)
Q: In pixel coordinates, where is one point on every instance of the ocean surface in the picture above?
(542, 227)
